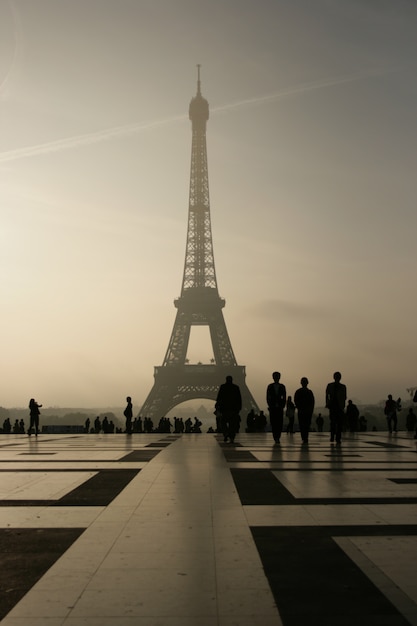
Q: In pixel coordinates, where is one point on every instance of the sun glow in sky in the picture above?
(312, 151)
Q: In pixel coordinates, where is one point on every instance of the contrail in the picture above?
(119, 131)
(302, 88)
(83, 140)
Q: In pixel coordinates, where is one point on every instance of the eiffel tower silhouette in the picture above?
(199, 304)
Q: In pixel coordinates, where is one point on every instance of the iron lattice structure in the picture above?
(199, 304)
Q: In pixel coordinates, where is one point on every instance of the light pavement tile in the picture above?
(48, 517)
(245, 620)
(236, 543)
(369, 554)
(168, 535)
(86, 561)
(100, 533)
(57, 578)
(41, 603)
(228, 517)
(344, 515)
(398, 514)
(45, 485)
(34, 621)
(176, 601)
(191, 579)
(244, 578)
(157, 559)
(266, 515)
(164, 620)
(395, 556)
(115, 513)
(230, 558)
(140, 543)
(232, 531)
(253, 603)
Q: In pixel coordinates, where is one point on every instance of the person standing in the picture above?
(34, 416)
(319, 422)
(290, 413)
(229, 405)
(335, 402)
(304, 401)
(276, 398)
(352, 415)
(390, 411)
(128, 413)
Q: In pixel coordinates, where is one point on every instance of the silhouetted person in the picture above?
(188, 425)
(363, 424)
(290, 414)
(105, 424)
(34, 416)
(261, 422)
(390, 411)
(304, 401)
(276, 398)
(352, 416)
(251, 422)
(87, 425)
(197, 425)
(319, 422)
(97, 425)
(410, 421)
(335, 402)
(7, 427)
(128, 413)
(229, 405)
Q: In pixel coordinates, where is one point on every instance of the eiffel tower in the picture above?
(199, 304)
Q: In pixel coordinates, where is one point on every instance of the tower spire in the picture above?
(199, 304)
(198, 80)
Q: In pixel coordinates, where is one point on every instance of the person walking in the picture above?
(276, 398)
(304, 401)
(34, 416)
(229, 405)
(335, 402)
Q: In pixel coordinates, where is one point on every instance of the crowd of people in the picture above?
(342, 417)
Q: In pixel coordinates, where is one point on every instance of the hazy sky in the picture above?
(312, 152)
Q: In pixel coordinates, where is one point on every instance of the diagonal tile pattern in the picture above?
(162, 530)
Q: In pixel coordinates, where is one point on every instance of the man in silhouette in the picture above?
(304, 401)
(229, 405)
(276, 398)
(335, 402)
(34, 416)
(352, 415)
(390, 411)
(128, 413)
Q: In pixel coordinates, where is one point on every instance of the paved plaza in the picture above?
(167, 530)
